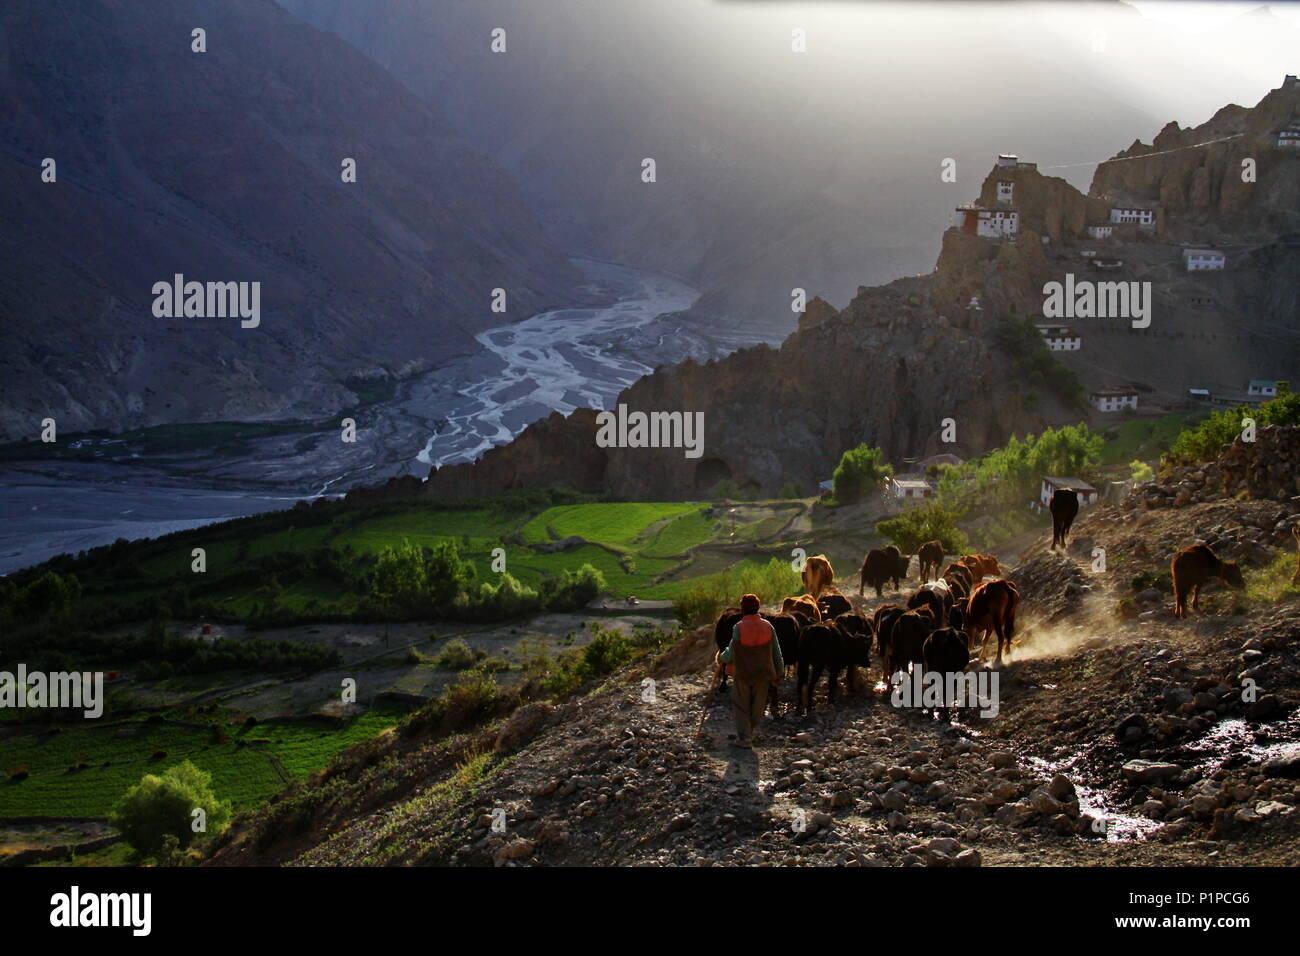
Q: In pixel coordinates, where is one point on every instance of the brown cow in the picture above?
(981, 566)
(804, 607)
(961, 573)
(930, 557)
(1064, 506)
(1194, 566)
(817, 575)
(992, 608)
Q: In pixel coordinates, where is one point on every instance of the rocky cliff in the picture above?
(226, 165)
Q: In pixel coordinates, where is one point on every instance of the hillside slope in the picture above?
(226, 166)
(1119, 740)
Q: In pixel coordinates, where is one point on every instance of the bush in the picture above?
(1141, 471)
(701, 602)
(571, 590)
(930, 522)
(859, 472)
(456, 655)
(1211, 437)
(493, 602)
(163, 804)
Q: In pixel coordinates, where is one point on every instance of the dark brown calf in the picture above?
(1194, 566)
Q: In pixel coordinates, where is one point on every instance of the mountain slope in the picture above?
(225, 166)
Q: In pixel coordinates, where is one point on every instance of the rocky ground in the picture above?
(1124, 736)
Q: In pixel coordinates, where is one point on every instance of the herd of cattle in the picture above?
(821, 631)
(938, 627)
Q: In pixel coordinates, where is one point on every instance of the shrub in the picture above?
(701, 602)
(456, 655)
(923, 523)
(1141, 471)
(493, 602)
(860, 471)
(163, 804)
(1211, 437)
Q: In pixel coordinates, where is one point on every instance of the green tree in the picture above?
(861, 470)
(162, 805)
(915, 526)
(1141, 471)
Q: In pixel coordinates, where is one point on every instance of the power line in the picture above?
(1163, 152)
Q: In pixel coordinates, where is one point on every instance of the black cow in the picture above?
(833, 604)
(722, 636)
(883, 624)
(826, 647)
(938, 600)
(1064, 506)
(945, 652)
(930, 559)
(907, 640)
(881, 565)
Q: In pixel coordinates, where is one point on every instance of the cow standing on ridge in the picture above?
(1064, 506)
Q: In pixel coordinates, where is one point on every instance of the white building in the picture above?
(1005, 190)
(910, 487)
(1102, 231)
(990, 223)
(1060, 338)
(1198, 260)
(1261, 387)
(1008, 159)
(1113, 399)
(1087, 493)
(1289, 138)
(1144, 218)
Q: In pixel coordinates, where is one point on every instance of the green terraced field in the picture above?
(250, 766)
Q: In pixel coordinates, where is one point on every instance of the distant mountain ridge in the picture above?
(226, 166)
(903, 357)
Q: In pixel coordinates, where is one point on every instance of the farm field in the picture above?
(247, 766)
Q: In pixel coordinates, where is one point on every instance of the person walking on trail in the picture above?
(753, 659)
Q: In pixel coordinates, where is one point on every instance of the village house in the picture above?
(1060, 338)
(1262, 388)
(1101, 231)
(976, 220)
(1005, 190)
(1103, 262)
(1289, 136)
(1140, 214)
(1199, 260)
(1198, 394)
(910, 487)
(1012, 161)
(1087, 493)
(1113, 399)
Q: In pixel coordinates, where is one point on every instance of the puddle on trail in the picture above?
(1235, 742)
(1119, 826)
